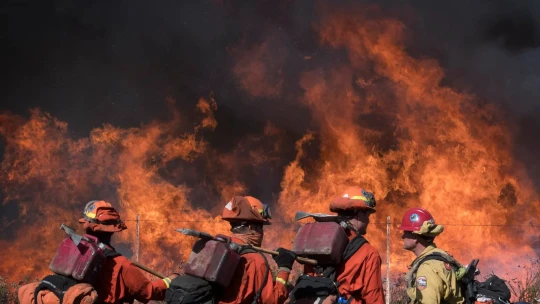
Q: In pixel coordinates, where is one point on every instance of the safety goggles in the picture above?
(91, 209)
(266, 213)
(92, 206)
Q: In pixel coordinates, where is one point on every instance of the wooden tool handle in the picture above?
(157, 274)
(306, 261)
(299, 259)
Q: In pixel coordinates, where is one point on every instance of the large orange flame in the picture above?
(383, 121)
(387, 124)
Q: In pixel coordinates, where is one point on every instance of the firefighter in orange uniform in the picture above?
(429, 281)
(359, 277)
(119, 281)
(253, 282)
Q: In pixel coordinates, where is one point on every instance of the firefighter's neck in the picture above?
(421, 245)
(104, 237)
(419, 249)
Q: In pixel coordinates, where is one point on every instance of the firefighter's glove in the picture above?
(285, 259)
(169, 279)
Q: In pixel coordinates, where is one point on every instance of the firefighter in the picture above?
(359, 277)
(119, 281)
(253, 282)
(432, 280)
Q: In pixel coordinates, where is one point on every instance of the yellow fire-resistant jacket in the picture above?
(434, 282)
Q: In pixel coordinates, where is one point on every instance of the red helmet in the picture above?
(246, 208)
(414, 218)
(101, 216)
(354, 198)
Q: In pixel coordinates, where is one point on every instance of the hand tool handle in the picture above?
(299, 259)
(157, 274)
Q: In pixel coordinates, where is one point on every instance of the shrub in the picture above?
(527, 289)
(8, 291)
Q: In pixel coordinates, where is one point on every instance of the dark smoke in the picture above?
(516, 31)
(101, 61)
(95, 62)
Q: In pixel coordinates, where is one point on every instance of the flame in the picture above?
(50, 176)
(382, 119)
(412, 141)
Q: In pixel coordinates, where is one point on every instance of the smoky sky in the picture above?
(95, 62)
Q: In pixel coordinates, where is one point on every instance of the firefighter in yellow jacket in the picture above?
(433, 275)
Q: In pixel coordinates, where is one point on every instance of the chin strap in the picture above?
(347, 225)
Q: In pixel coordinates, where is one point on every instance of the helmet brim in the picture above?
(408, 228)
(346, 204)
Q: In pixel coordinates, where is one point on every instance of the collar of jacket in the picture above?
(410, 277)
(426, 251)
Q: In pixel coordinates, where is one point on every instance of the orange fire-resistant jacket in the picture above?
(77, 294)
(359, 277)
(120, 280)
(26, 295)
(248, 279)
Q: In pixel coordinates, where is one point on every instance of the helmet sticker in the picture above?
(414, 218)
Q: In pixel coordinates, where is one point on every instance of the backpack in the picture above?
(324, 286)
(59, 284)
(188, 289)
(494, 287)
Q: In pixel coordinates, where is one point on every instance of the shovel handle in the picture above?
(299, 259)
(157, 274)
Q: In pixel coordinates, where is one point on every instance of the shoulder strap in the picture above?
(110, 253)
(439, 257)
(411, 275)
(248, 249)
(259, 292)
(353, 246)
